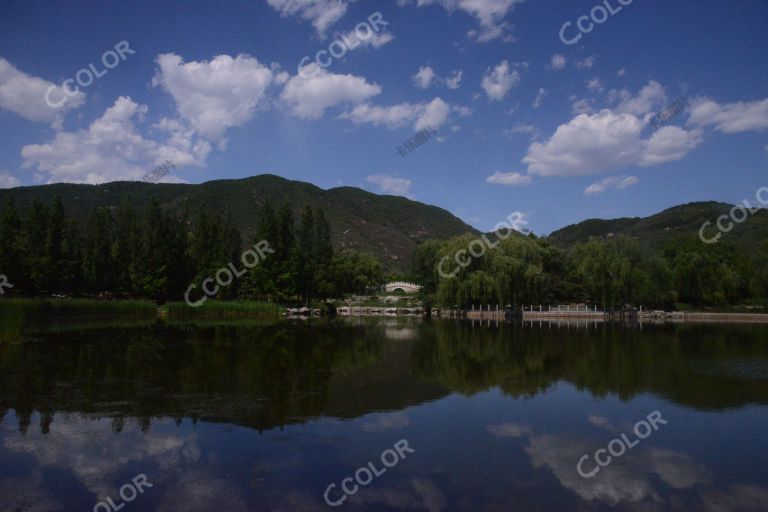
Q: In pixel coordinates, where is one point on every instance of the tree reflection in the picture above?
(267, 375)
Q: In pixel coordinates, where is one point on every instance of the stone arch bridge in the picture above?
(401, 286)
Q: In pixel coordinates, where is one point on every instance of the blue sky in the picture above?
(524, 122)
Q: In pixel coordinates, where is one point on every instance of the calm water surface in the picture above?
(265, 416)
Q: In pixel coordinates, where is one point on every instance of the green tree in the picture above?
(11, 257)
(305, 255)
(98, 264)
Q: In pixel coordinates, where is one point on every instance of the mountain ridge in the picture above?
(388, 226)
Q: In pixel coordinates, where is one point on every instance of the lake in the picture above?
(383, 414)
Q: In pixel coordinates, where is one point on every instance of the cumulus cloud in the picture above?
(523, 129)
(650, 98)
(7, 180)
(509, 178)
(214, 95)
(614, 182)
(590, 144)
(454, 81)
(423, 115)
(374, 39)
(321, 13)
(25, 95)
(310, 97)
(489, 13)
(112, 148)
(391, 184)
(586, 63)
(581, 106)
(669, 144)
(434, 115)
(595, 85)
(557, 62)
(497, 82)
(423, 79)
(539, 97)
(427, 77)
(731, 117)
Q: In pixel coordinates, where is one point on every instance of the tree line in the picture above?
(156, 253)
(611, 273)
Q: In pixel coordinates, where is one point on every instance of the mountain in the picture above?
(683, 220)
(388, 226)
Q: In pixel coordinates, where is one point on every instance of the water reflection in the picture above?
(263, 416)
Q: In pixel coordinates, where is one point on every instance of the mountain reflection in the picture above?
(267, 375)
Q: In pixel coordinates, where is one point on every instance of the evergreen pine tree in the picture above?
(305, 255)
(11, 262)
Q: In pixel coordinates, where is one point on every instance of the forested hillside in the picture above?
(389, 227)
(659, 261)
(166, 255)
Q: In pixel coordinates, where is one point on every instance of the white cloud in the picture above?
(217, 95)
(582, 106)
(586, 63)
(462, 111)
(422, 115)
(509, 178)
(423, 79)
(590, 144)
(391, 117)
(489, 13)
(375, 39)
(391, 184)
(557, 62)
(594, 85)
(621, 72)
(454, 81)
(321, 13)
(112, 148)
(669, 144)
(25, 95)
(7, 180)
(426, 77)
(610, 139)
(539, 98)
(501, 79)
(309, 97)
(650, 97)
(521, 128)
(434, 115)
(615, 182)
(731, 117)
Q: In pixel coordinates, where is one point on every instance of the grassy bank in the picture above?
(15, 313)
(222, 309)
(28, 308)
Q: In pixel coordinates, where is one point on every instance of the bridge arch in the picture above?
(401, 286)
